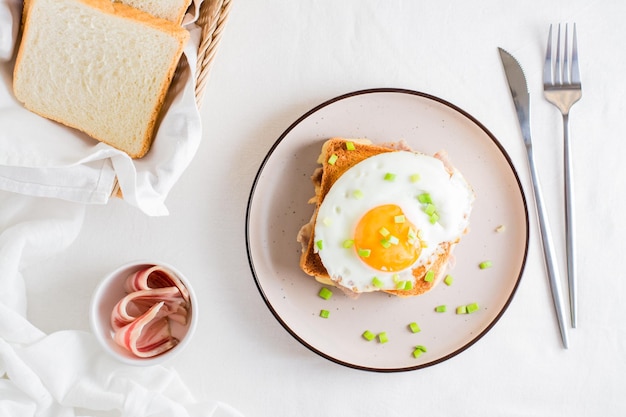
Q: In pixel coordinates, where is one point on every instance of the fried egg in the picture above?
(386, 216)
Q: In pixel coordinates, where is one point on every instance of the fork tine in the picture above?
(558, 78)
(547, 65)
(566, 66)
(575, 70)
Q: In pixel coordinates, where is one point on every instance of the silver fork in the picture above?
(562, 87)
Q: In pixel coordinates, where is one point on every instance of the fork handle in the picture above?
(569, 222)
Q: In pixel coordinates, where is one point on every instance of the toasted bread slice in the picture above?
(324, 177)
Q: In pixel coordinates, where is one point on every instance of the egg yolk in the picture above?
(385, 239)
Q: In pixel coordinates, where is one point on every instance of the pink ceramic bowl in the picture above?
(111, 290)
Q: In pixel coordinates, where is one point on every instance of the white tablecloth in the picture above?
(277, 60)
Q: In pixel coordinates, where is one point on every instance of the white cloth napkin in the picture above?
(39, 157)
(66, 373)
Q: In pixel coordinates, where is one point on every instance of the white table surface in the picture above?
(277, 60)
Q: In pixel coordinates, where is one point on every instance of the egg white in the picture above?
(340, 212)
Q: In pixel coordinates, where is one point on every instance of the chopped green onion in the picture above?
(485, 265)
(471, 308)
(417, 353)
(390, 177)
(441, 309)
(448, 280)
(461, 310)
(327, 221)
(325, 293)
(333, 158)
(319, 244)
(399, 219)
(369, 336)
(385, 243)
(414, 327)
(364, 253)
(415, 177)
(433, 218)
(424, 198)
(348, 243)
(429, 209)
(408, 285)
(412, 234)
(324, 314)
(430, 275)
(377, 282)
(383, 231)
(382, 337)
(395, 278)
(358, 194)
(393, 240)
(400, 285)
(350, 146)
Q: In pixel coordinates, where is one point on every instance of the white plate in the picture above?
(278, 207)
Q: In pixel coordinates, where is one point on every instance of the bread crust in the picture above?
(323, 178)
(118, 10)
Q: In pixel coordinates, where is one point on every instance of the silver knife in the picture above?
(521, 100)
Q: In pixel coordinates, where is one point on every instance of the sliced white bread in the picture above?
(172, 10)
(101, 67)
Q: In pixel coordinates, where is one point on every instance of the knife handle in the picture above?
(548, 251)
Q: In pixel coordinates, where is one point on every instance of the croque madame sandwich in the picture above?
(386, 218)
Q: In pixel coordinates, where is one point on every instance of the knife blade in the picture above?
(521, 100)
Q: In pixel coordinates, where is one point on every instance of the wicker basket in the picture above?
(212, 19)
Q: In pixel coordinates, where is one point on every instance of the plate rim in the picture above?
(427, 96)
